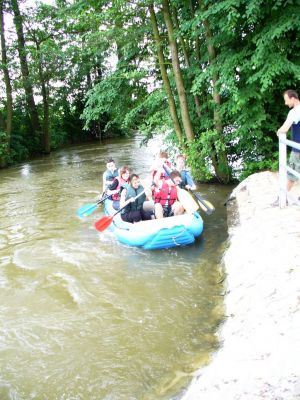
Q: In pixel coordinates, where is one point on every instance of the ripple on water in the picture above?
(32, 256)
(66, 287)
(46, 253)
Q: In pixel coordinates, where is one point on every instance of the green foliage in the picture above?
(150, 115)
(20, 148)
(199, 152)
(255, 166)
(4, 149)
(99, 64)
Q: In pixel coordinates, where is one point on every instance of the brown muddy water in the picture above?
(83, 317)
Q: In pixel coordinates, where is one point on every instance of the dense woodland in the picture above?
(209, 73)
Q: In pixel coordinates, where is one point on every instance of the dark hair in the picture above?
(175, 174)
(133, 176)
(109, 160)
(180, 156)
(291, 93)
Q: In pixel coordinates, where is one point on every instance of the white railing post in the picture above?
(282, 171)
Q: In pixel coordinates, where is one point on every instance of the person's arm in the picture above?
(157, 175)
(122, 198)
(112, 187)
(190, 183)
(287, 124)
(104, 181)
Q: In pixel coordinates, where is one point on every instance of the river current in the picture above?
(83, 317)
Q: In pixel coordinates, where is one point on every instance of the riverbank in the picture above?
(260, 339)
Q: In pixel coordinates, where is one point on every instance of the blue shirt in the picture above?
(186, 178)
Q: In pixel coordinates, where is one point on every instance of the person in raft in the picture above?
(110, 174)
(186, 177)
(157, 170)
(133, 212)
(117, 185)
(166, 202)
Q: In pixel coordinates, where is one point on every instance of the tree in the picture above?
(164, 75)
(5, 151)
(32, 109)
(177, 73)
(218, 153)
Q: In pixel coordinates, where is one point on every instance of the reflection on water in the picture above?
(83, 317)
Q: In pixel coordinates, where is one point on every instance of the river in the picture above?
(84, 317)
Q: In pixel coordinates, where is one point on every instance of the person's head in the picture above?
(124, 173)
(180, 161)
(110, 165)
(175, 177)
(134, 181)
(163, 154)
(290, 98)
(162, 158)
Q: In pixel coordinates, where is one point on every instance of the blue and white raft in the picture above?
(163, 233)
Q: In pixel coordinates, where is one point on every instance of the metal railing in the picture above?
(283, 169)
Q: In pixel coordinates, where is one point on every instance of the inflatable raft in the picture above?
(162, 233)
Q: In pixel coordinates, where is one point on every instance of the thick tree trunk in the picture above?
(219, 158)
(46, 127)
(164, 75)
(186, 55)
(8, 89)
(186, 120)
(32, 110)
(46, 142)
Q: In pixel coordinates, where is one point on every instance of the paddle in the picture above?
(105, 221)
(206, 206)
(88, 209)
(184, 197)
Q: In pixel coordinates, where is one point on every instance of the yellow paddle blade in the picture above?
(209, 205)
(188, 203)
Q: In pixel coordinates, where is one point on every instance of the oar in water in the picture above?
(88, 209)
(205, 205)
(105, 221)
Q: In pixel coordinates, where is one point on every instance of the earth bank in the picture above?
(260, 339)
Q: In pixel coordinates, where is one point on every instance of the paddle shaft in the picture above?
(105, 221)
(209, 208)
(206, 206)
(128, 202)
(187, 201)
(86, 210)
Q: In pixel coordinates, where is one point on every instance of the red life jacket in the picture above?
(167, 195)
(121, 182)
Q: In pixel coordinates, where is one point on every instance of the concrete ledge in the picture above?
(259, 356)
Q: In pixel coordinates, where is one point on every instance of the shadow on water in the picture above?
(85, 317)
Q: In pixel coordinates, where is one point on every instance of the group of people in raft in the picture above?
(123, 189)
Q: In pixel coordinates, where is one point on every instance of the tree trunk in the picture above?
(46, 127)
(219, 158)
(8, 89)
(18, 21)
(164, 75)
(187, 60)
(46, 143)
(177, 74)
